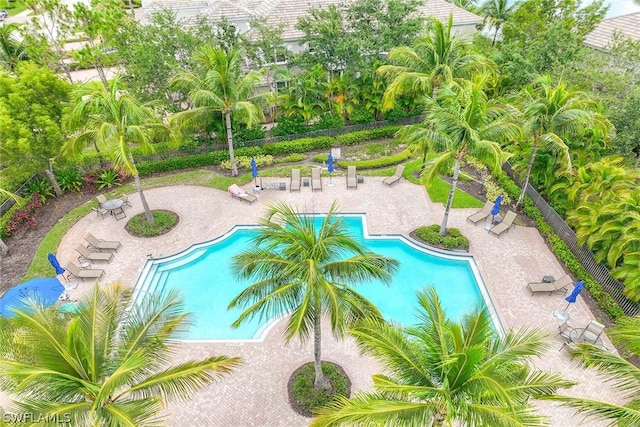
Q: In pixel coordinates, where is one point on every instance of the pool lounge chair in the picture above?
(316, 181)
(482, 214)
(82, 273)
(239, 193)
(101, 199)
(295, 180)
(559, 285)
(101, 245)
(505, 225)
(94, 256)
(395, 177)
(352, 178)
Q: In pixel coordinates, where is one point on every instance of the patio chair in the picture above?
(82, 273)
(352, 178)
(295, 180)
(94, 256)
(505, 225)
(100, 211)
(316, 181)
(239, 193)
(591, 333)
(101, 199)
(102, 245)
(559, 285)
(125, 201)
(482, 214)
(396, 176)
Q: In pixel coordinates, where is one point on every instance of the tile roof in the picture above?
(288, 11)
(627, 25)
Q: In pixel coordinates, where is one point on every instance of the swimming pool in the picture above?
(203, 275)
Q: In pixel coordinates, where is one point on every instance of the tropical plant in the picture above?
(436, 59)
(496, 13)
(443, 372)
(550, 115)
(305, 94)
(8, 194)
(107, 364)
(220, 86)
(308, 270)
(113, 118)
(461, 121)
(11, 50)
(620, 372)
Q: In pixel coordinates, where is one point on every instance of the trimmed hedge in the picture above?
(562, 250)
(380, 162)
(367, 135)
(453, 240)
(301, 145)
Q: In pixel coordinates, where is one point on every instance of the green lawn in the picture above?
(13, 7)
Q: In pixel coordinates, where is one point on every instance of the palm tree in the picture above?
(112, 117)
(443, 372)
(553, 114)
(436, 59)
(108, 364)
(220, 87)
(621, 373)
(305, 94)
(11, 50)
(304, 269)
(496, 13)
(460, 122)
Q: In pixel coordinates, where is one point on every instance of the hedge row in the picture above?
(380, 162)
(562, 250)
(367, 135)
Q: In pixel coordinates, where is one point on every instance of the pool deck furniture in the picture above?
(125, 201)
(94, 256)
(100, 244)
(239, 193)
(316, 181)
(482, 214)
(82, 273)
(295, 180)
(114, 206)
(560, 285)
(100, 211)
(352, 177)
(505, 225)
(395, 177)
(101, 199)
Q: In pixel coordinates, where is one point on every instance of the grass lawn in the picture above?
(13, 7)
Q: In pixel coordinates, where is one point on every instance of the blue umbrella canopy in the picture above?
(56, 264)
(254, 168)
(576, 291)
(496, 207)
(330, 163)
(44, 290)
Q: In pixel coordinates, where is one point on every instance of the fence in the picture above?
(8, 204)
(598, 271)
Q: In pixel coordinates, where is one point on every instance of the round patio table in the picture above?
(114, 206)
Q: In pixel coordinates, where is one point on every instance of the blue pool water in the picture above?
(203, 275)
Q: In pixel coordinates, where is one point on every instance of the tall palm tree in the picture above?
(461, 122)
(496, 13)
(11, 50)
(436, 59)
(309, 271)
(108, 364)
(220, 86)
(617, 371)
(113, 118)
(551, 115)
(443, 372)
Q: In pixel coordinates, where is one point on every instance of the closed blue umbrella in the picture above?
(496, 207)
(330, 167)
(254, 171)
(44, 290)
(56, 264)
(574, 294)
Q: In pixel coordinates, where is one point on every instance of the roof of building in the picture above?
(626, 25)
(287, 12)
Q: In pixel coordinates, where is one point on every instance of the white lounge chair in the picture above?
(396, 176)
(295, 180)
(482, 214)
(352, 178)
(102, 245)
(316, 181)
(559, 285)
(239, 193)
(505, 225)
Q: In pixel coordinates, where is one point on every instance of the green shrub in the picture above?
(253, 151)
(42, 186)
(301, 145)
(164, 221)
(6, 218)
(361, 116)
(307, 397)
(243, 133)
(69, 179)
(379, 162)
(245, 162)
(292, 125)
(183, 162)
(329, 121)
(292, 158)
(453, 240)
(367, 135)
(107, 178)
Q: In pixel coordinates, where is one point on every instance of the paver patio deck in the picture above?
(255, 394)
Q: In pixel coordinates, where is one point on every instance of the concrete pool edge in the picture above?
(261, 333)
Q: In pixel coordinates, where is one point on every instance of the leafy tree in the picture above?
(496, 13)
(305, 94)
(437, 58)
(618, 371)
(11, 50)
(31, 103)
(114, 119)
(443, 372)
(108, 364)
(543, 34)
(550, 115)
(461, 121)
(220, 86)
(309, 271)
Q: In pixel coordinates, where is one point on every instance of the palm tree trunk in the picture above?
(147, 212)
(439, 417)
(320, 381)
(447, 209)
(232, 157)
(54, 182)
(4, 249)
(528, 175)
